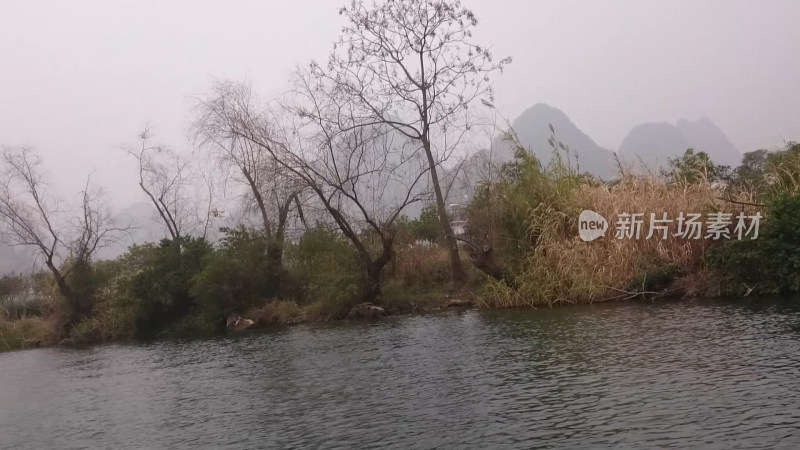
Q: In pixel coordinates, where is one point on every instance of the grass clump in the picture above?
(551, 265)
(25, 333)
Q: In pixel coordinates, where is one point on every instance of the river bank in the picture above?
(523, 238)
(37, 331)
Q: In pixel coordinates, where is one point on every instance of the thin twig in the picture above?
(760, 205)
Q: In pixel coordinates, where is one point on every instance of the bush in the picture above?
(693, 168)
(769, 264)
(15, 298)
(427, 226)
(653, 273)
(512, 214)
(421, 266)
(158, 281)
(326, 272)
(782, 172)
(25, 333)
(235, 275)
(554, 266)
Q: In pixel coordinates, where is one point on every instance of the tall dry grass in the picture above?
(25, 333)
(563, 269)
(420, 265)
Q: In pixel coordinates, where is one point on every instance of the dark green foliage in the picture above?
(654, 273)
(511, 214)
(769, 264)
(161, 288)
(742, 265)
(12, 286)
(768, 174)
(82, 283)
(783, 238)
(751, 171)
(235, 275)
(329, 272)
(693, 167)
(427, 227)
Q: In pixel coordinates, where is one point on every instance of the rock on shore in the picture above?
(237, 324)
(366, 310)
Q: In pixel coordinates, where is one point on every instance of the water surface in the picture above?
(689, 374)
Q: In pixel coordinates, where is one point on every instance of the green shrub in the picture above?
(512, 213)
(782, 172)
(769, 264)
(235, 276)
(326, 272)
(694, 167)
(158, 281)
(653, 273)
(782, 236)
(427, 226)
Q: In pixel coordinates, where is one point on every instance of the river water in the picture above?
(689, 374)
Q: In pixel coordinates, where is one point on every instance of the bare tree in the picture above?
(474, 177)
(170, 182)
(273, 190)
(411, 65)
(364, 177)
(66, 242)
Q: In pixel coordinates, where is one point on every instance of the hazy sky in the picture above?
(81, 78)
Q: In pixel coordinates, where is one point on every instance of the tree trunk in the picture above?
(274, 263)
(484, 259)
(444, 218)
(275, 243)
(372, 288)
(77, 308)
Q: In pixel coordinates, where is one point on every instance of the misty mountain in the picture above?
(533, 130)
(653, 144)
(704, 135)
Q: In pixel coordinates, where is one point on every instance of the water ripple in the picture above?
(689, 374)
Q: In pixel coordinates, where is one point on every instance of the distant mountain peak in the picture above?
(533, 130)
(654, 143)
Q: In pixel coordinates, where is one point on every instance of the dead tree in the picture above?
(411, 65)
(170, 183)
(273, 190)
(364, 177)
(66, 242)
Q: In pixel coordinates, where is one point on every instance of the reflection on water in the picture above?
(685, 374)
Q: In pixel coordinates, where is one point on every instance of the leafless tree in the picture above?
(273, 190)
(171, 183)
(364, 177)
(411, 65)
(65, 242)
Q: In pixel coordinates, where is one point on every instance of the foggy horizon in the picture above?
(84, 78)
